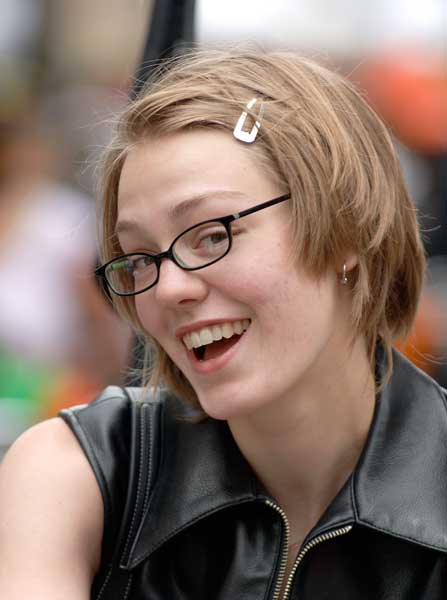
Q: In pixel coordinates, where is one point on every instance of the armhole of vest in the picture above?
(69, 415)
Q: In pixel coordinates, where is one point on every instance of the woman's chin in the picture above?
(228, 407)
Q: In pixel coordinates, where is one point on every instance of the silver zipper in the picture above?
(285, 551)
(320, 538)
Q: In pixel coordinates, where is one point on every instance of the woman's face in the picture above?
(297, 326)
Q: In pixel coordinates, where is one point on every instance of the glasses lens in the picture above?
(202, 245)
(131, 274)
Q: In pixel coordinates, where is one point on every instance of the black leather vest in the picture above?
(186, 518)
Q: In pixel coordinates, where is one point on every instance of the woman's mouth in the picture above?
(211, 342)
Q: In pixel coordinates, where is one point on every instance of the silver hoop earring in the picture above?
(344, 279)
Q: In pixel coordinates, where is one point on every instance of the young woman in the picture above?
(257, 232)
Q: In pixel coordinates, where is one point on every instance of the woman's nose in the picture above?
(176, 286)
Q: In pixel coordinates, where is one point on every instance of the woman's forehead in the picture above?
(181, 171)
(185, 153)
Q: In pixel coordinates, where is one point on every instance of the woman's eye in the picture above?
(213, 239)
(142, 263)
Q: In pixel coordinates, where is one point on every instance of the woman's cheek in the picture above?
(146, 317)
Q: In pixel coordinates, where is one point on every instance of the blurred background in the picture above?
(66, 67)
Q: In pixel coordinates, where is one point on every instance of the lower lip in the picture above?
(205, 367)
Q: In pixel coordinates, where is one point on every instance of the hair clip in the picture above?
(248, 136)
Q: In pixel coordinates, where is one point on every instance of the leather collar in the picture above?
(398, 486)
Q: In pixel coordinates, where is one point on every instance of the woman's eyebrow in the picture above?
(127, 226)
(181, 209)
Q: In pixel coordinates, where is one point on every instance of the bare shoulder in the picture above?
(51, 515)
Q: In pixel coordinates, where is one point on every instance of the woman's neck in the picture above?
(304, 447)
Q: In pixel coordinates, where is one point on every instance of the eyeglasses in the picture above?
(195, 248)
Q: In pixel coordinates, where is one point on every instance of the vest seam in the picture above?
(106, 581)
(139, 484)
(129, 583)
(150, 463)
(353, 496)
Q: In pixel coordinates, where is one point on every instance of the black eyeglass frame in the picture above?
(157, 258)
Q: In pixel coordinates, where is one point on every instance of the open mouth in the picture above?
(212, 342)
(215, 349)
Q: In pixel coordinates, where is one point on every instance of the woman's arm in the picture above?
(51, 517)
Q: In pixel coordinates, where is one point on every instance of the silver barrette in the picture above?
(248, 136)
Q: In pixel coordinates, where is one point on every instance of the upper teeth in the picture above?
(208, 335)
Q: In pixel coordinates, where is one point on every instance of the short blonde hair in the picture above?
(329, 149)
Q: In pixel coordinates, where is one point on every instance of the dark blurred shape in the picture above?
(171, 29)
